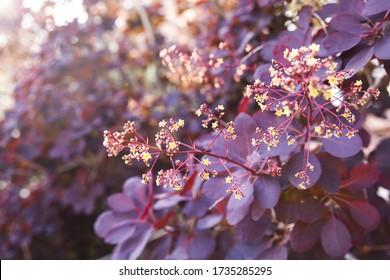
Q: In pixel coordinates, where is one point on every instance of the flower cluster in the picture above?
(215, 121)
(191, 70)
(309, 87)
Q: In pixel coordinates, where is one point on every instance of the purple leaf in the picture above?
(341, 41)
(215, 189)
(249, 230)
(246, 251)
(256, 211)
(197, 207)
(349, 24)
(287, 212)
(139, 192)
(305, 236)
(382, 155)
(107, 221)
(310, 209)
(121, 232)
(381, 48)
(162, 247)
(364, 214)
(120, 202)
(335, 238)
(237, 209)
(342, 147)
(373, 7)
(168, 202)
(352, 7)
(278, 252)
(330, 179)
(131, 248)
(208, 221)
(299, 163)
(362, 177)
(201, 246)
(266, 191)
(360, 59)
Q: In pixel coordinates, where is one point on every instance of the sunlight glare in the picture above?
(5, 6)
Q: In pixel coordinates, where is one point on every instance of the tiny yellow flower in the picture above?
(358, 83)
(318, 129)
(350, 134)
(286, 111)
(163, 123)
(291, 141)
(311, 61)
(146, 156)
(220, 107)
(228, 179)
(279, 112)
(313, 92)
(198, 112)
(214, 125)
(172, 145)
(294, 53)
(333, 81)
(206, 162)
(230, 129)
(180, 123)
(314, 47)
(328, 95)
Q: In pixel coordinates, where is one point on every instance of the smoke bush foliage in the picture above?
(244, 137)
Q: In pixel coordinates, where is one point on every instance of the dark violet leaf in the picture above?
(335, 238)
(311, 209)
(364, 214)
(249, 230)
(208, 221)
(256, 211)
(180, 251)
(197, 207)
(362, 177)
(215, 189)
(360, 59)
(237, 209)
(139, 192)
(168, 202)
(341, 41)
(121, 233)
(162, 247)
(381, 48)
(287, 212)
(246, 251)
(351, 7)
(373, 7)
(120, 202)
(382, 155)
(349, 24)
(201, 246)
(107, 221)
(266, 191)
(298, 163)
(131, 248)
(331, 168)
(304, 18)
(262, 73)
(305, 236)
(342, 147)
(278, 252)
